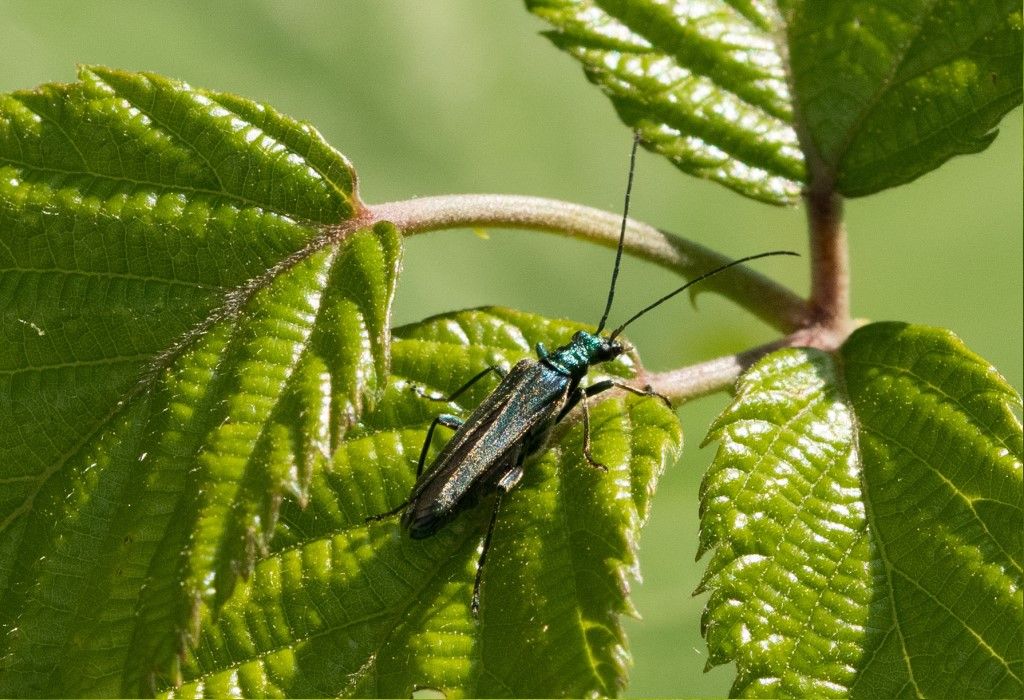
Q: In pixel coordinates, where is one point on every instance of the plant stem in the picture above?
(763, 297)
(687, 383)
(821, 322)
(830, 264)
(827, 326)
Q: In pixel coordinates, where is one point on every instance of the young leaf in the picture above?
(888, 90)
(184, 348)
(704, 83)
(344, 607)
(865, 514)
(879, 92)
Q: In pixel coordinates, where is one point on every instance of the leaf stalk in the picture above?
(829, 303)
(771, 302)
(822, 321)
(704, 378)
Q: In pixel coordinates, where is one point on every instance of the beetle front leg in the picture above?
(593, 390)
(586, 435)
(606, 384)
(646, 391)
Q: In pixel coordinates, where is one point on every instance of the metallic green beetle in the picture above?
(487, 451)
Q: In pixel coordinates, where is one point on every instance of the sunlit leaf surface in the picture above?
(865, 514)
(344, 607)
(889, 90)
(767, 97)
(198, 413)
(183, 349)
(703, 83)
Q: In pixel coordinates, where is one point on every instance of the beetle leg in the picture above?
(580, 395)
(606, 384)
(574, 398)
(646, 391)
(418, 390)
(508, 481)
(474, 604)
(503, 486)
(388, 513)
(599, 387)
(586, 436)
(445, 419)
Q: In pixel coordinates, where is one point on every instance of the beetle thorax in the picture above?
(585, 349)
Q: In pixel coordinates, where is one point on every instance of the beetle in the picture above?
(487, 452)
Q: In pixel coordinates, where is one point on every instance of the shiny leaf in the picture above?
(704, 84)
(865, 513)
(340, 606)
(888, 90)
(184, 346)
(766, 98)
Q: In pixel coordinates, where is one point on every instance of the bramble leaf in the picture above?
(703, 83)
(888, 90)
(343, 607)
(766, 98)
(189, 330)
(865, 513)
(197, 422)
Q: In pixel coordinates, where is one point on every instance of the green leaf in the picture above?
(703, 83)
(197, 420)
(889, 90)
(941, 451)
(344, 607)
(865, 513)
(185, 344)
(868, 94)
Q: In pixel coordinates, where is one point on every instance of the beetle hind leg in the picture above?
(387, 514)
(503, 486)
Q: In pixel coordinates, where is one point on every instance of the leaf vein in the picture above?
(954, 490)
(963, 623)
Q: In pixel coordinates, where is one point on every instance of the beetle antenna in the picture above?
(695, 280)
(622, 232)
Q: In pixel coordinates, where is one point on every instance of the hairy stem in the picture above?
(766, 299)
(822, 322)
(826, 327)
(687, 383)
(830, 264)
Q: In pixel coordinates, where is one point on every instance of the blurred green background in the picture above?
(466, 96)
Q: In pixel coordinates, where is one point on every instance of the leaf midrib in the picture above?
(843, 390)
(841, 362)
